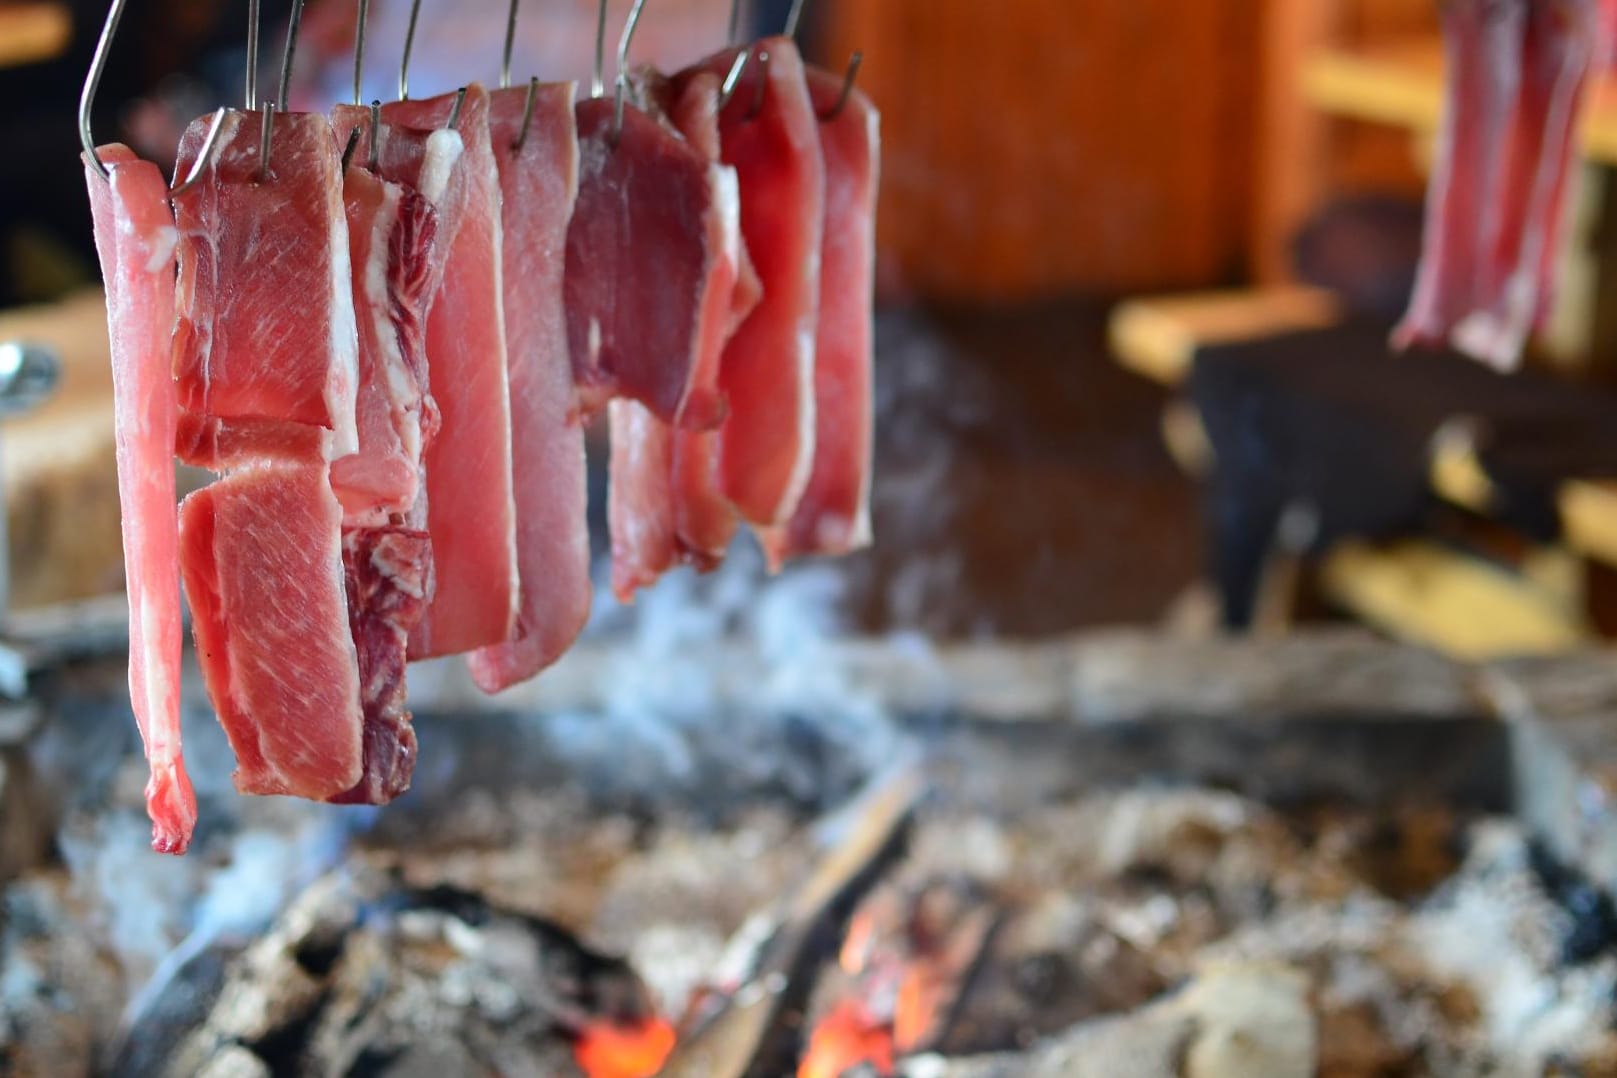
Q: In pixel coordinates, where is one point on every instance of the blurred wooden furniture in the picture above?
(33, 31)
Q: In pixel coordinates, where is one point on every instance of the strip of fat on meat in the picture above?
(252, 239)
(135, 238)
(646, 235)
(470, 508)
(768, 134)
(538, 184)
(390, 234)
(639, 504)
(833, 515)
(261, 558)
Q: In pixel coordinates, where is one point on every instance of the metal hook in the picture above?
(623, 67)
(527, 114)
(372, 154)
(360, 19)
(793, 17)
(348, 150)
(291, 50)
(597, 85)
(205, 155)
(758, 94)
(510, 42)
(252, 56)
(735, 22)
(267, 134)
(454, 110)
(409, 43)
(92, 82)
(732, 79)
(848, 78)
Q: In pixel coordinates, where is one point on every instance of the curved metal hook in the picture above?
(527, 114)
(732, 78)
(793, 16)
(848, 78)
(409, 43)
(251, 93)
(510, 42)
(597, 83)
(454, 110)
(92, 82)
(291, 50)
(267, 133)
(360, 19)
(735, 22)
(373, 152)
(205, 155)
(623, 66)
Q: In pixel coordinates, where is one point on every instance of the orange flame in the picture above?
(607, 1049)
(847, 1036)
(915, 1008)
(857, 944)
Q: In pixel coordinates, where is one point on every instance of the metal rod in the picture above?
(205, 155)
(348, 150)
(267, 134)
(409, 43)
(252, 56)
(732, 78)
(359, 46)
(793, 17)
(735, 22)
(92, 82)
(527, 114)
(848, 79)
(510, 42)
(623, 67)
(597, 83)
(291, 50)
(454, 110)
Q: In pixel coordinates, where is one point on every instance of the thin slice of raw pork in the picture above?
(265, 323)
(769, 134)
(833, 515)
(640, 503)
(261, 557)
(646, 235)
(470, 510)
(538, 183)
(135, 238)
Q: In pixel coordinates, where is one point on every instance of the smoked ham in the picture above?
(768, 134)
(646, 235)
(538, 171)
(251, 239)
(135, 238)
(833, 514)
(261, 556)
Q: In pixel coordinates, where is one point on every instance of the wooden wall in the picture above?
(1039, 147)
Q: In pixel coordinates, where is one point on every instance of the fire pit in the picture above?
(730, 849)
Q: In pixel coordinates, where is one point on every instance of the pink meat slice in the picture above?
(250, 239)
(640, 505)
(538, 183)
(387, 573)
(390, 234)
(223, 444)
(646, 235)
(768, 133)
(833, 515)
(135, 238)
(261, 557)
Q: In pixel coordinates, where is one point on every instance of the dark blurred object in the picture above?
(1328, 435)
(1364, 249)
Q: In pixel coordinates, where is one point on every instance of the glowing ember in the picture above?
(624, 1050)
(857, 945)
(848, 1036)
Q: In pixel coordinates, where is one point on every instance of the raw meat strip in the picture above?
(223, 444)
(266, 313)
(261, 556)
(388, 577)
(390, 234)
(833, 515)
(767, 447)
(538, 183)
(470, 511)
(646, 233)
(640, 505)
(135, 237)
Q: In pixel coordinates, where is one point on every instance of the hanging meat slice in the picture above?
(250, 239)
(135, 238)
(538, 170)
(390, 235)
(768, 133)
(469, 508)
(833, 515)
(1516, 75)
(646, 236)
(640, 502)
(261, 557)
